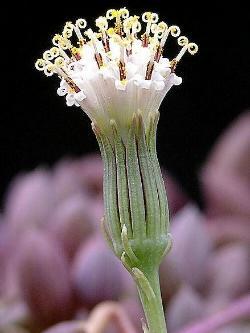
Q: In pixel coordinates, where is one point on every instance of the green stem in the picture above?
(153, 308)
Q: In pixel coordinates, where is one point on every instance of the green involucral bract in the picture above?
(136, 220)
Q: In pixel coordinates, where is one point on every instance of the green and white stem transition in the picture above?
(119, 77)
(136, 218)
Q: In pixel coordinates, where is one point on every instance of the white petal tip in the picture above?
(79, 97)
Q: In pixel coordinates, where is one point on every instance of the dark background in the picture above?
(37, 127)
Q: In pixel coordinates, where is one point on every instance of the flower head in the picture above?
(118, 69)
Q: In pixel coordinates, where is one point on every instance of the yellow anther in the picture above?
(76, 53)
(111, 32)
(49, 70)
(59, 62)
(174, 30)
(40, 64)
(162, 26)
(51, 54)
(68, 30)
(120, 14)
(111, 13)
(132, 25)
(69, 26)
(134, 19)
(149, 17)
(102, 23)
(65, 44)
(56, 39)
(67, 33)
(81, 23)
(192, 48)
(158, 30)
(61, 41)
(124, 13)
(183, 41)
(89, 33)
(55, 51)
(98, 35)
(48, 56)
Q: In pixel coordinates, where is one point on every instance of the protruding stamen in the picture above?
(99, 60)
(120, 14)
(45, 66)
(192, 48)
(122, 66)
(149, 18)
(57, 67)
(122, 36)
(76, 53)
(149, 72)
(136, 26)
(131, 27)
(174, 30)
(72, 85)
(122, 50)
(80, 24)
(92, 38)
(40, 65)
(158, 53)
(102, 24)
(55, 51)
(70, 27)
(48, 56)
(61, 71)
(145, 40)
(158, 31)
(127, 26)
(173, 65)
(127, 29)
(68, 30)
(62, 42)
(150, 67)
(129, 47)
(164, 33)
(94, 41)
(59, 51)
(122, 69)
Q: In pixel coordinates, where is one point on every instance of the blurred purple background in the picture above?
(55, 267)
(37, 128)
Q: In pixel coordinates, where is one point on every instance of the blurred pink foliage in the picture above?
(55, 268)
(226, 174)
